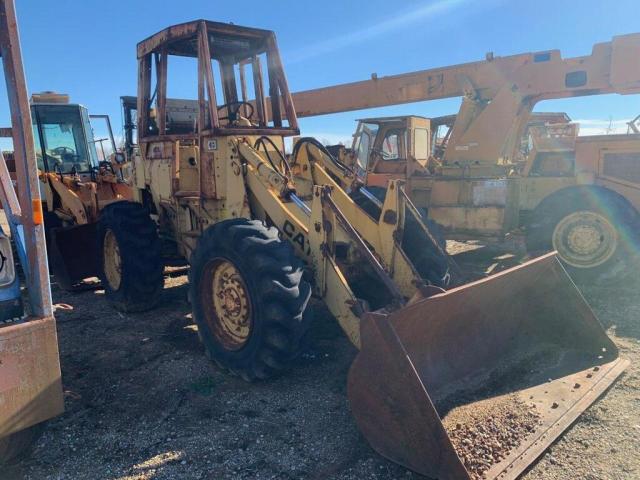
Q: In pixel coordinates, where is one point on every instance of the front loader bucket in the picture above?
(478, 381)
(72, 254)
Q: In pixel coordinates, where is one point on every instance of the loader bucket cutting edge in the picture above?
(503, 365)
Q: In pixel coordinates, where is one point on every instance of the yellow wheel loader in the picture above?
(263, 232)
(77, 179)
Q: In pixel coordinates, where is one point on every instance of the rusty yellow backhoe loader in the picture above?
(582, 201)
(262, 232)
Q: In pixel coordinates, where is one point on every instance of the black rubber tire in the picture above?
(18, 445)
(140, 256)
(278, 296)
(598, 200)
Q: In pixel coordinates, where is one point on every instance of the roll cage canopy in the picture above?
(235, 49)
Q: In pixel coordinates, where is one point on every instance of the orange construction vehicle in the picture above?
(581, 200)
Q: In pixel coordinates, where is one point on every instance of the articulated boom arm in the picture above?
(318, 218)
(498, 93)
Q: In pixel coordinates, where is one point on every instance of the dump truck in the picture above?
(583, 203)
(263, 231)
(30, 384)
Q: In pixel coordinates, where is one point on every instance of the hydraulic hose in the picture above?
(323, 149)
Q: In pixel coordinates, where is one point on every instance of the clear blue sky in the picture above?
(87, 47)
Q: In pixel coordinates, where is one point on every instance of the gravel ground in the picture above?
(487, 431)
(142, 402)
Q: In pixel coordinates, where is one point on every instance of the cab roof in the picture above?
(381, 120)
(229, 42)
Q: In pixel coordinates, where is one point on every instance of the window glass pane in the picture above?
(390, 147)
(102, 138)
(65, 147)
(368, 132)
(364, 144)
(421, 144)
(91, 140)
(38, 145)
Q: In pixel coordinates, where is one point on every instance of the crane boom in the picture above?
(612, 67)
(498, 93)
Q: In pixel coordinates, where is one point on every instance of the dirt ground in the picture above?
(142, 402)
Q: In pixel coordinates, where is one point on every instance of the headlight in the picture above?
(7, 268)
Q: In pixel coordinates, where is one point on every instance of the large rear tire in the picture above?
(18, 445)
(594, 231)
(248, 298)
(130, 264)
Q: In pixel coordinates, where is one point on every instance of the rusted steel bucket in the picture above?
(72, 254)
(478, 381)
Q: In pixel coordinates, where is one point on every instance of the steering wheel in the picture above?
(233, 108)
(107, 166)
(64, 150)
(384, 155)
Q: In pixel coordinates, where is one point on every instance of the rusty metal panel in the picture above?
(474, 220)
(30, 384)
(535, 189)
(622, 166)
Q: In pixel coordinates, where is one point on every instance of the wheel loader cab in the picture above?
(78, 177)
(187, 145)
(63, 139)
(391, 148)
(233, 102)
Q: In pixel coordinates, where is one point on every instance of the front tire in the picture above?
(593, 230)
(130, 264)
(248, 298)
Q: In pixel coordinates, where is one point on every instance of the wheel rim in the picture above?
(112, 261)
(228, 306)
(585, 239)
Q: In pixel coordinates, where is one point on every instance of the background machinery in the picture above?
(78, 177)
(30, 385)
(581, 200)
(263, 232)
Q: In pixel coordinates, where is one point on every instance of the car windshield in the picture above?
(63, 145)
